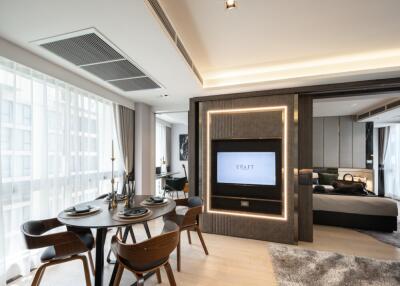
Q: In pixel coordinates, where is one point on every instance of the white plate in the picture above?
(121, 215)
(149, 204)
(91, 211)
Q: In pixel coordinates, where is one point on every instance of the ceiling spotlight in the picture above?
(230, 4)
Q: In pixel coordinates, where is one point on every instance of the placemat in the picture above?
(117, 218)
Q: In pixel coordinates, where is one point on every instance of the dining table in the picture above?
(104, 219)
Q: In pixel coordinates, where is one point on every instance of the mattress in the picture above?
(375, 206)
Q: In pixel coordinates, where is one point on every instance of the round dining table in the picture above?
(105, 219)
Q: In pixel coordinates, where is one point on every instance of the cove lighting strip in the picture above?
(282, 217)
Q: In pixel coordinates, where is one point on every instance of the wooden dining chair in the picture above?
(147, 256)
(128, 231)
(188, 221)
(60, 247)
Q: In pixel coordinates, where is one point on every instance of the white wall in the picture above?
(144, 149)
(176, 164)
(22, 56)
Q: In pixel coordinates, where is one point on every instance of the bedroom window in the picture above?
(392, 163)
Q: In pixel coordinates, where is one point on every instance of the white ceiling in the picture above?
(174, 117)
(130, 25)
(263, 44)
(265, 40)
(351, 105)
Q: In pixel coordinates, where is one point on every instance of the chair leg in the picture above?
(158, 275)
(119, 275)
(178, 255)
(91, 263)
(146, 228)
(201, 239)
(38, 275)
(140, 280)
(189, 238)
(85, 269)
(170, 274)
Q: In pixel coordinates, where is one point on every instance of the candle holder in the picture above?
(113, 200)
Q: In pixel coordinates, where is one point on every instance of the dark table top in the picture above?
(104, 218)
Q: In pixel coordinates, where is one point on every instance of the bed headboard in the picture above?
(325, 170)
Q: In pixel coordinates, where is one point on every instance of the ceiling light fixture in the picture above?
(230, 4)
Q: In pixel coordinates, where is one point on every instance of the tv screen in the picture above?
(247, 168)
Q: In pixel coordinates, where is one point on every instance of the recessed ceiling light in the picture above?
(230, 4)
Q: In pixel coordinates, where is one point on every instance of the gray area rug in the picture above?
(297, 266)
(392, 238)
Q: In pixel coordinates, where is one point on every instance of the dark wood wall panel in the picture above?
(251, 125)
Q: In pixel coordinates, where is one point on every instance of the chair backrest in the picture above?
(176, 183)
(186, 188)
(149, 251)
(33, 230)
(65, 243)
(195, 205)
(194, 202)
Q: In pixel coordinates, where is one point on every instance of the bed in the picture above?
(367, 212)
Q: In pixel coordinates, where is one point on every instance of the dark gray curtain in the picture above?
(383, 138)
(125, 125)
(168, 145)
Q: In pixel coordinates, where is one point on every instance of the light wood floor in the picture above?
(232, 261)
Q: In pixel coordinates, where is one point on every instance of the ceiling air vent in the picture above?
(393, 104)
(362, 116)
(380, 109)
(155, 5)
(377, 110)
(163, 18)
(92, 52)
(131, 84)
(83, 50)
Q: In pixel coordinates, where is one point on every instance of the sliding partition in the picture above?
(250, 188)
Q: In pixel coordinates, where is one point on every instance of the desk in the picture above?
(163, 177)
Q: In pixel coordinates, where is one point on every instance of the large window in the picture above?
(55, 151)
(392, 163)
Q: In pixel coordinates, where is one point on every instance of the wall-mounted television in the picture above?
(249, 168)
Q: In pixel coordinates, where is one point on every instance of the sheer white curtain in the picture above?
(392, 163)
(55, 151)
(161, 142)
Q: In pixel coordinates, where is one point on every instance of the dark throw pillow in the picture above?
(355, 189)
(319, 190)
(326, 178)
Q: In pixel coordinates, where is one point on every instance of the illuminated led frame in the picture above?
(285, 163)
